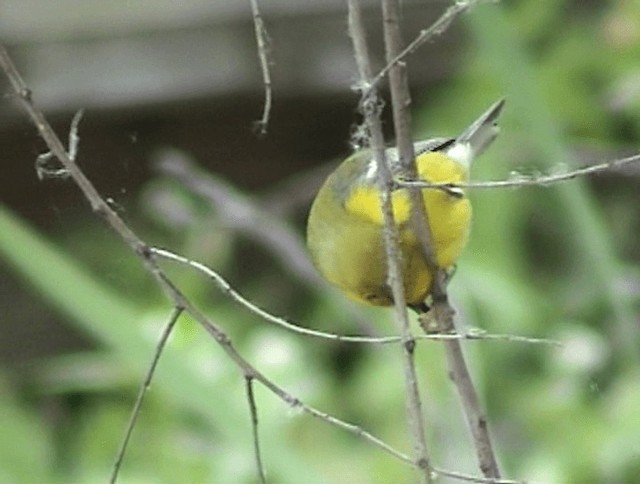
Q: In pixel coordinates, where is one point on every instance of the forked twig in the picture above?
(437, 28)
(43, 170)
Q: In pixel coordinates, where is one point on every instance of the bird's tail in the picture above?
(475, 139)
(483, 130)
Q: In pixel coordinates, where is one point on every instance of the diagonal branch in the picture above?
(437, 28)
(144, 387)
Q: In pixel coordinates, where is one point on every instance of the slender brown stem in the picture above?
(521, 181)
(144, 387)
(263, 55)
(253, 410)
(461, 377)
(437, 28)
(399, 86)
(225, 287)
(371, 111)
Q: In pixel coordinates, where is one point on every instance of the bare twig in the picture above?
(519, 180)
(461, 377)
(265, 315)
(74, 139)
(225, 287)
(253, 410)
(371, 113)
(56, 147)
(467, 478)
(43, 170)
(141, 249)
(144, 387)
(293, 402)
(401, 103)
(437, 28)
(262, 40)
(442, 311)
(248, 216)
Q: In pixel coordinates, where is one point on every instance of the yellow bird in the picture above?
(345, 225)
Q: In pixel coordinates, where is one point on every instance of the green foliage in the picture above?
(26, 447)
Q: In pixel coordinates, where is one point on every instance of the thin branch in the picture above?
(293, 402)
(142, 251)
(98, 205)
(370, 107)
(519, 180)
(401, 103)
(479, 334)
(74, 139)
(43, 170)
(358, 431)
(262, 39)
(248, 216)
(144, 387)
(226, 288)
(461, 377)
(437, 28)
(468, 478)
(253, 410)
(250, 371)
(442, 311)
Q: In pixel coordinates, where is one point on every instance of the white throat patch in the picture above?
(462, 153)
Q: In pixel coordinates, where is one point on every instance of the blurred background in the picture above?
(171, 92)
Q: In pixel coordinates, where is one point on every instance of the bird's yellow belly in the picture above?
(348, 248)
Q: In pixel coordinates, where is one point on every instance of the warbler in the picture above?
(345, 224)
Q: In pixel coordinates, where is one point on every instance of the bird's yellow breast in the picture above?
(345, 231)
